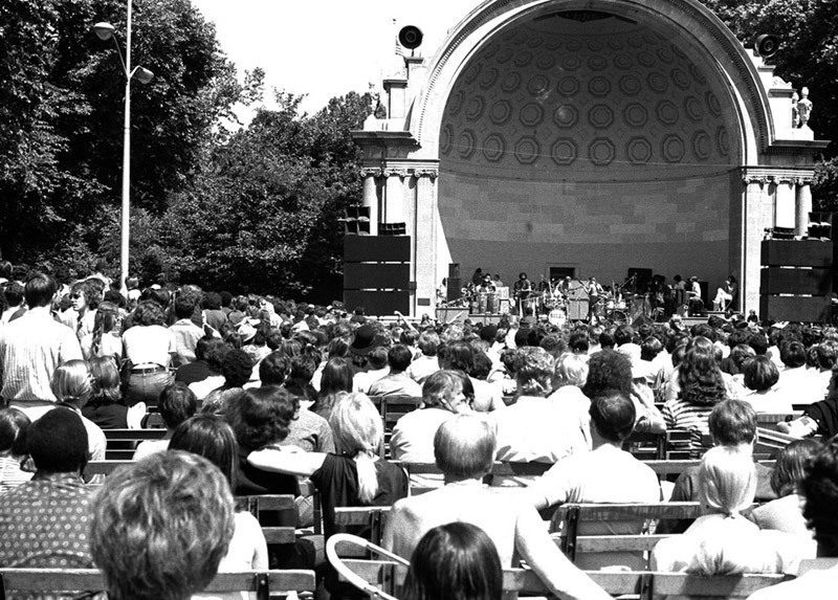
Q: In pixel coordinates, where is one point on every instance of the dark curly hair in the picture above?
(700, 379)
(608, 370)
(148, 312)
(820, 489)
(261, 416)
(236, 366)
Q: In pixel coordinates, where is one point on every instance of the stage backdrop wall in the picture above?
(589, 141)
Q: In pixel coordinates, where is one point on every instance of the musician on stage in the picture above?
(522, 290)
(487, 285)
(595, 290)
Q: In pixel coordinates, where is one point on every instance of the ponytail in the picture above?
(367, 477)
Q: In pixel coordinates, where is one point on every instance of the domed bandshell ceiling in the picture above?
(568, 99)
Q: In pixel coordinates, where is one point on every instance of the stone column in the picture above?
(425, 242)
(803, 207)
(370, 200)
(784, 204)
(394, 211)
(758, 214)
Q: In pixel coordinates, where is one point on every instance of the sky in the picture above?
(324, 48)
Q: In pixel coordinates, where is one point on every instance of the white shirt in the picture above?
(31, 348)
(606, 474)
(150, 344)
(812, 585)
(423, 366)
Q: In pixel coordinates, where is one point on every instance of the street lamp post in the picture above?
(105, 31)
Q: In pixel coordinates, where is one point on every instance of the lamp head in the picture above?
(143, 75)
(103, 30)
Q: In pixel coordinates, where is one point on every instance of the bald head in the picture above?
(464, 447)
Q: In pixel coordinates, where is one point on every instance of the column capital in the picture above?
(763, 175)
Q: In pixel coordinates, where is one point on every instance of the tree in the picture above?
(807, 56)
(61, 107)
(263, 213)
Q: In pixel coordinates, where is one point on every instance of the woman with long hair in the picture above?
(107, 331)
(355, 476)
(700, 388)
(336, 378)
(72, 385)
(211, 437)
(105, 406)
(457, 561)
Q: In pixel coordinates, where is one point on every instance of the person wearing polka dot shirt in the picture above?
(45, 522)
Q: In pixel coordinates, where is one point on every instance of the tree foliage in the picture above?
(807, 56)
(61, 108)
(263, 212)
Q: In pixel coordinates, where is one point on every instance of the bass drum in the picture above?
(557, 317)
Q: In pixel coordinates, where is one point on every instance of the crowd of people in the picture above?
(257, 394)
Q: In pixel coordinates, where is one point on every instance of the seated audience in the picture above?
(761, 375)
(355, 477)
(535, 428)
(72, 386)
(427, 362)
(397, 382)
(819, 489)
(785, 513)
(611, 370)
(205, 371)
(732, 424)
(149, 547)
(722, 541)
(608, 474)
(209, 436)
(444, 394)
(464, 448)
(45, 522)
(105, 408)
(457, 560)
(176, 404)
(460, 356)
(700, 388)
(13, 427)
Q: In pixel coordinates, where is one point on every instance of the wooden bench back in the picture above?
(389, 576)
(42, 581)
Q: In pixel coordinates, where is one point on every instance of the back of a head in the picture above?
(237, 367)
(337, 376)
(441, 386)
(579, 342)
(71, 382)
(534, 371)
(457, 561)
(464, 447)
(572, 369)
(274, 369)
(793, 354)
(161, 527)
(612, 415)
(820, 492)
(791, 466)
(732, 423)
(39, 290)
(356, 424)
(212, 437)
(608, 370)
(104, 375)
(176, 404)
(760, 373)
(727, 480)
(399, 357)
(57, 442)
(262, 416)
(14, 425)
(623, 335)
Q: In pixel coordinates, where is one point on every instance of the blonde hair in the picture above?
(359, 433)
(727, 481)
(571, 369)
(72, 383)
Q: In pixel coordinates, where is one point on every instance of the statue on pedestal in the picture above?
(804, 107)
(795, 111)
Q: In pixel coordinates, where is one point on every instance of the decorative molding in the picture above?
(403, 169)
(764, 175)
(504, 11)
